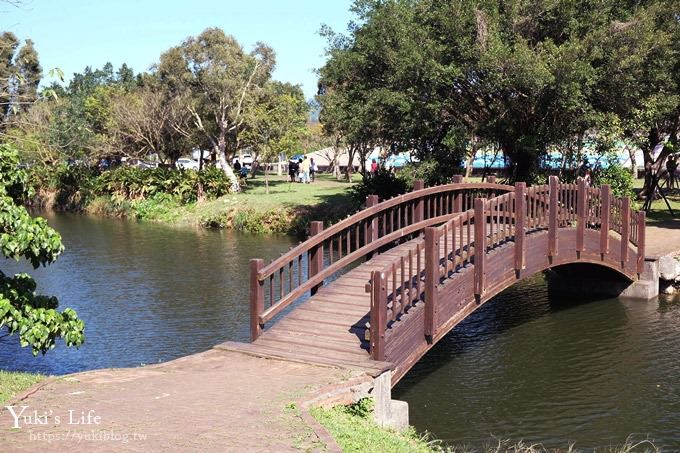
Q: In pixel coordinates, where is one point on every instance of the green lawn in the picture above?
(12, 383)
(659, 212)
(325, 192)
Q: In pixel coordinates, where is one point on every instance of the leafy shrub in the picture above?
(617, 176)
(384, 184)
(432, 172)
(34, 318)
(77, 186)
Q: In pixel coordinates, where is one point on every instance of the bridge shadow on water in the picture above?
(524, 302)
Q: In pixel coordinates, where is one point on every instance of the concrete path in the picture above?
(212, 401)
(663, 238)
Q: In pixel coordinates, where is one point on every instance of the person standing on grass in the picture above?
(374, 167)
(313, 168)
(292, 169)
(304, 169)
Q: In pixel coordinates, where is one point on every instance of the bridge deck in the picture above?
(330, 327)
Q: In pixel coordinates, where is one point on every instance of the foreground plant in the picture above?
(34, 318)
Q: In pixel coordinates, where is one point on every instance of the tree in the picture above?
(525, 74)
(148, 120)
(641, 81)
(277, 123)
(20, 74)
(34, 318)
(224, 82)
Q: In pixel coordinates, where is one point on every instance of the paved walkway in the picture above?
(663, 238)
(212, 401)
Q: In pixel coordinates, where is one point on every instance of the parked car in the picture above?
(247, 160)
(186, 164)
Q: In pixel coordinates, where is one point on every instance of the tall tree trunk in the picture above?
(469, 162)
(266, 178)
(221, 153)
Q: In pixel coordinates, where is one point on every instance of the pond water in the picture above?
(528, 365)
(147, 293)
(541, 368)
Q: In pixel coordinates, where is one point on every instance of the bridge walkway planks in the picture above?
(329, 327)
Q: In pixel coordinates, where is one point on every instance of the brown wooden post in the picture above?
(641, 242)
(480, 246)
(256, 298)
(378, 314)
(491, 179)
(458, 197)
(552, 216)
(605, 208)
(625, 229)
(315, 256)
(373, 232)
(431, 279)
(419, 214)
(581, 214)
(520, 222)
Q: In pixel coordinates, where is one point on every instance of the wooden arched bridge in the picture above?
(387, 283)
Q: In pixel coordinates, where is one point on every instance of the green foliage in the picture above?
(384, 183)
(618, 177)
(433, 172)
(421, 74)
(77, 186)
(32, 317)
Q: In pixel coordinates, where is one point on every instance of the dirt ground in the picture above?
(662, 238)
(212, 401)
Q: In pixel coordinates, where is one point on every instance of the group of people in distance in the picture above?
(302, 170)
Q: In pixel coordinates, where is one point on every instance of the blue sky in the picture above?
(72, 34)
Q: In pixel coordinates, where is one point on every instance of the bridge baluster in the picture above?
(641, 242)
(625, 229)
(581, 214)
(256, 298)
(315, 264)
(520, 219)
(605, 202)
(480, 246)
(431, 279)
(552, 217)
(378, 314)
(419, 216)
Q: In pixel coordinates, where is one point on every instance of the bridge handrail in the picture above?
(370, 211)
(352, 239)
(507, 218)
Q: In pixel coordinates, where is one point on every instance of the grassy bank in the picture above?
(286, 209)
(355, 430)
(12, 383)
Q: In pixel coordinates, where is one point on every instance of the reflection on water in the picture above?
(552, 371)
(147, 293)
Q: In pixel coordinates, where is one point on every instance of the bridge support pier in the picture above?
(647, 287)
(389, 413)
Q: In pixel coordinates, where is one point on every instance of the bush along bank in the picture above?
(142, 193)
(170, 196)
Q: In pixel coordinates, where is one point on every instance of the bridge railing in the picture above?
(464, 240)
(327, 252)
